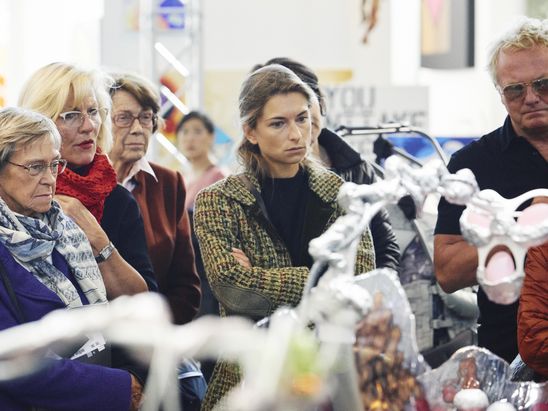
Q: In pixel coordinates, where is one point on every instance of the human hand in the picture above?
(241, 258)
(73, 208)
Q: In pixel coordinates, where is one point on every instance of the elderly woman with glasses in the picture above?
(47, 263)
(78, 102)
(159, 191)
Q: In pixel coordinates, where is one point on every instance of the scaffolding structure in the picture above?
(170, 51)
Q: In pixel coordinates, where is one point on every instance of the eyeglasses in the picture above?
(56, 167)
(75, 118)
(126, 119)
(517, 90)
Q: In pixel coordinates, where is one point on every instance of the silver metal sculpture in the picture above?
(488, 221)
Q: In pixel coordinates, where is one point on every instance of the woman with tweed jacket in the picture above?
(254, 227)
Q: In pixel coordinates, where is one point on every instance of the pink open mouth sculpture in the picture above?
(502, 236)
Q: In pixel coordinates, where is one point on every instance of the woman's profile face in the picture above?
(283, 133)
(79, 132)
(194, 139)
(23, 193)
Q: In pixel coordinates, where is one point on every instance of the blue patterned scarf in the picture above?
(31, 242)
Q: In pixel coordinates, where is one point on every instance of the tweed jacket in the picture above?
(227, 216)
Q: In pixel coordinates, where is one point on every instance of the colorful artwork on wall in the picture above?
(168, 15)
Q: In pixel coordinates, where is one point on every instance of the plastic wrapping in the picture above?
(478, 368)
(287, 373)
(386, 353)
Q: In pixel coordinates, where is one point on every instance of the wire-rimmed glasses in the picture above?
(516, 91)
(56, 167)
(125, 119)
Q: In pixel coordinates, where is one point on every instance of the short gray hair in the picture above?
(20, 127)
(525, 34)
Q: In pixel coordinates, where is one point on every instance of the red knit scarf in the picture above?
(91, 189)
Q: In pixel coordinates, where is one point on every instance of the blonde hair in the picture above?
(20, 127)
(257, 89)
(526, 33)
(48, 89)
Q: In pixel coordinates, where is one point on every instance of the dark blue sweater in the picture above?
(123, 225)
(64, 385)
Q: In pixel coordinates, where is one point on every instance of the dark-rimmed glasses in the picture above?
(35, 169)
(517, 90)
(125, 119)
(75, 118)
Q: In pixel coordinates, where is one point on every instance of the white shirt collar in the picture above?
(140, 165)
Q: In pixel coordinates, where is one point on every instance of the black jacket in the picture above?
(123, 224)
(347, 163)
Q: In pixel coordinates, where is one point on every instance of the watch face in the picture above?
(105, 253)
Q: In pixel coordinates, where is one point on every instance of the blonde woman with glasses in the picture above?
(78, 102)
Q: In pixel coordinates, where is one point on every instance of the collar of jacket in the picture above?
(341, 154)
(324, 183)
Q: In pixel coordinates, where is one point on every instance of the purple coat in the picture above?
(65, 385)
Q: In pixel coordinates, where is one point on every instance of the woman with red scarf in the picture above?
(77, 101)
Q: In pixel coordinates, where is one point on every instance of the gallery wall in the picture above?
(236, 34)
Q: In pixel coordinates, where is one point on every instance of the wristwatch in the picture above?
(105, 253)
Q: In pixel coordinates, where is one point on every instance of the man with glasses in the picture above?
(510, 160)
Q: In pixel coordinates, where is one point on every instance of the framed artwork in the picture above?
(447, 34)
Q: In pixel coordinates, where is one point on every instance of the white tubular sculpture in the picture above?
(488, 221)
(143, 324)
(337, 247)
(338, 303)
